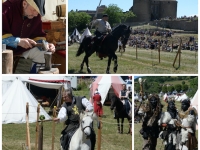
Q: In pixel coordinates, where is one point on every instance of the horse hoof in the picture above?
(89, 70)
(107, 72)
(115, 70)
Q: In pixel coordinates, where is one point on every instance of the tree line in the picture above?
(157, 84)
(81, 20)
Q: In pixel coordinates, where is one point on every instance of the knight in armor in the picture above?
(150, 128)
(188, 140)
(69, 113)
(102, 28)
(168, 125)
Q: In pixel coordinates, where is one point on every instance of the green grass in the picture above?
(146, 62)
(138, 140)
(14, 135)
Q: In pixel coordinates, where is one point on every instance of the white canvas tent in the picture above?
(194, 101)
(14, 104)
(85, 34)
(182, 97)
(107, 87)
(76, 35)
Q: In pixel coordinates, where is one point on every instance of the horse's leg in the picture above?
(122, 122)
(118, 127)
(115, 63)
(108, 67)
(87, 60)
(87, 64)
(82, 64)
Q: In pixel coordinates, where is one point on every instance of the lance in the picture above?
(96, 12)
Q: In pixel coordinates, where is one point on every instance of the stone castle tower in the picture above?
(149, 10)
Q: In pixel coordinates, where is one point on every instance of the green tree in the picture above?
(185, 87)
(78, 20)
(170, 88)
(178, 87)
(193, 86)
(183, 82)
(116, 14)
(164, 89)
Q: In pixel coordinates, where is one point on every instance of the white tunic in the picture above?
(101, 25)
(62, 115)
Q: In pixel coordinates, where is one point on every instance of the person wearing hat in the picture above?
(71, 118)
(22, 28)
(188, 117)
(102, 28)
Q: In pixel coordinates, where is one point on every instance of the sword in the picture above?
(96, 12)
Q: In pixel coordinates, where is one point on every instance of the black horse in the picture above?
(109, 45)
(120, 112)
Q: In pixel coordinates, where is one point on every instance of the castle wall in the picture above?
(142, 10)
(147, 10)
(168, 9)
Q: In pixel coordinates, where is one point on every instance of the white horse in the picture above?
(81, 138)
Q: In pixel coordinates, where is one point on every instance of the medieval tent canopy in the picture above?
(107, 86)
(14, 104)
(85, 34)
(182, 97)
(194, 101)
(75, 35)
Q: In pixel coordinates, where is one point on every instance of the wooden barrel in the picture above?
(61, 10)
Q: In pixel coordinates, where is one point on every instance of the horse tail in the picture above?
(81, 47)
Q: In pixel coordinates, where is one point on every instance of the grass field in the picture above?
(14, 135)
(146, 63)
(138, 140)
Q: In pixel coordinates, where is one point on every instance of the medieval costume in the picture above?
(150, 127)
(188, 140)
(168, 124)
(16, 25)
(71, 112)
(98, 109)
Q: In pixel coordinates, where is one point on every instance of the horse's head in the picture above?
(86, 122)
(125, 35)
(114, 99)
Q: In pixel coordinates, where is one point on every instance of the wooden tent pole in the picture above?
(27, 127)
(53, 127)
(99, 134)
(37, 124)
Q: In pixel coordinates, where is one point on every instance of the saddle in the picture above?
(67, 136)
(97, 44)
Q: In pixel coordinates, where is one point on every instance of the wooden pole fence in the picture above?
(28, 145)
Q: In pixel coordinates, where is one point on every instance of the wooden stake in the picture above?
(7, 62)
(159, 51)
(53, 128)
(40, 138)
(27, 128)
(99, 134)
(136, 50)
(37, 124)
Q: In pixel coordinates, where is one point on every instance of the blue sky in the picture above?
(185, 7)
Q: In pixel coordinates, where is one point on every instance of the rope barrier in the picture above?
(114, 123)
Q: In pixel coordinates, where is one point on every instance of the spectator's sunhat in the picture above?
(38, 5)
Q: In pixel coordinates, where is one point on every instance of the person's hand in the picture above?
(56, 119)
(51, 47)
(26, 43)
